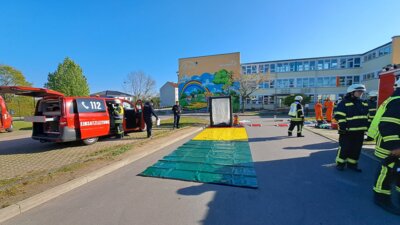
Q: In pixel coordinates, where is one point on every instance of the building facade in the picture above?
(318, 77)
(168, 94)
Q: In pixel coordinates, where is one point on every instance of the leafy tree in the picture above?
(290, 99)
(10, 76)
(224, 77)
(68, 79)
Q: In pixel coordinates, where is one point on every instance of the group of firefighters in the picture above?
(355, 118)
(148, 112)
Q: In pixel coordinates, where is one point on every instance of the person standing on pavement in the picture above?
(297, 116)
(118, 115)
(177, 110)
(372, 105)
(385, 129)
(328, 104)
(148, 112)
(318, 112)
(352, 116)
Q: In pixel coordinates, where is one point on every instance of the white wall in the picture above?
(168, 95)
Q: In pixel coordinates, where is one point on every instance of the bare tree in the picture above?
(140, 85)
(248, 85)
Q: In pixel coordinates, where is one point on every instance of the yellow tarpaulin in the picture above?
(222, 134)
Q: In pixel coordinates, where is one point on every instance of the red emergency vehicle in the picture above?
(5, 117)
(387, 77)
(61, 119)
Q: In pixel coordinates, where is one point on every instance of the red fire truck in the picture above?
(5, 117)
(61, 119)
(387, 77)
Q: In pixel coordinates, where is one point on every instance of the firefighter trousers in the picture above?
(299, 125)
(350, 145)
(149, 126)
(387, 175)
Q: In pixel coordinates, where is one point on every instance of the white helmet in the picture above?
(397, 83)
(356, 87)
(373, 93)
(117, 101)
(298, 98)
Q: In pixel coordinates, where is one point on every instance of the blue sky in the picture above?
(110, 39)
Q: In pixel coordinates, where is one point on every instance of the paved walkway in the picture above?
(21, 156)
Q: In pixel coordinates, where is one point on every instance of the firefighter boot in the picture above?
(340, 166)
(300, 135)
(289, 133)
(354, 167)
(385, 202)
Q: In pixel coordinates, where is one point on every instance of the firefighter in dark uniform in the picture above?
(297, 116)
(352, 116)
(148, 112)
(118, 114)
(372, 105)
(385, 129)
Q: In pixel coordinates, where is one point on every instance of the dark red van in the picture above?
(61, 119)
(5, 117)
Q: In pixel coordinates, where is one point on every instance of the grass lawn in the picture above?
(22, 125)
(185, 121)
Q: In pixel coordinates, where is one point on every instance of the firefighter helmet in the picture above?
(373, 93)
(117, 101)
(356, 87)
(298, 98)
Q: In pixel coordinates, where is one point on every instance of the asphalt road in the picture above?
(298, 184)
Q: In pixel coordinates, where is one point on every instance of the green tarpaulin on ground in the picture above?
(219, 162)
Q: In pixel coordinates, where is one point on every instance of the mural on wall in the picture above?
(195, 90)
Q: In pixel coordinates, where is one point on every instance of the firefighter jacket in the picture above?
(385, 128)
(352, 114)
(118, 114)
(296, 112)
(372, 104)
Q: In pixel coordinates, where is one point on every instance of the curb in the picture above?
(332, 139)
(36, 200)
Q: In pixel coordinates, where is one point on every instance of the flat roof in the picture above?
(210, 55)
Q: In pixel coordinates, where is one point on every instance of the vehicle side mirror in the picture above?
(12, 112)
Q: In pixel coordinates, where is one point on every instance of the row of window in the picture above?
(298, 66)
(267, 99)
(336, 81)
(369, 76)
(378, 53)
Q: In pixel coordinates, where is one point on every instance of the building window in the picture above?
(357, 62)
(356, 79)
(342, 81)
(320, 64)
(291, 82)
(254, 69)
(311, 81)
(292, 66)
(305, 82)
(342, 63)
(327, 64)
(312, 65)
(248, 70)
(243, 69)
(334, 63)
(326, 82)
(320, 82)
(299, 82)
(349, 80)
(272, 84)
(300, 66)
(279, 67)
(306, 66)
(261, 68)
(332, 81)
(272, 67)
(350, 63)
(286, 67)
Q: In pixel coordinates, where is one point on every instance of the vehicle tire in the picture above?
(10, 129)
(90, 141)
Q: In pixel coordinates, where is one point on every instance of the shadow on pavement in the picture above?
(261, 139)
(329, 145)
(298, 191)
